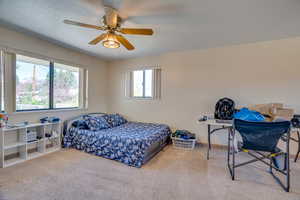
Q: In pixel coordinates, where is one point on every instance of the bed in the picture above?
(132, 143)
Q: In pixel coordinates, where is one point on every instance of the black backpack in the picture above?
(224, 109)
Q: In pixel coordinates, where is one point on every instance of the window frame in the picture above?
(2, 82)
(144, 84)
(81, 101)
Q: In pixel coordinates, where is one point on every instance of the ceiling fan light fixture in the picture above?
(111, 38)
(111, 42)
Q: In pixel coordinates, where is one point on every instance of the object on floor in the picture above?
(224, 109)
(183, 134)
(249, 115)
(259, 140)
(280, 161)
(132, 143)
(183, 139)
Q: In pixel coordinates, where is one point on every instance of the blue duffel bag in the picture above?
(249, 115)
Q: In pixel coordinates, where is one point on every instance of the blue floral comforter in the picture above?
(126, 143)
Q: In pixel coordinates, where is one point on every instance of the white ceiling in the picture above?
(178, 24)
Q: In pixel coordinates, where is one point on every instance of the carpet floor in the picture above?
(172, 174)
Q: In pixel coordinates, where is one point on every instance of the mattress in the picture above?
(132, 143)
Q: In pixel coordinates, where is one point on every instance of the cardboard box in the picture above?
(266, 109)
(283, 113)
(274, 110)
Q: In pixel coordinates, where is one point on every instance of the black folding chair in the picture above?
(259, 140)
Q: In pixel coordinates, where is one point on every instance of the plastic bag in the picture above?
(280, 161)
(249, 115)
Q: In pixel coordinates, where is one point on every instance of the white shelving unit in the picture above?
(14, 147)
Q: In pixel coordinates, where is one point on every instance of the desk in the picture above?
(223, 126)
(210, 131)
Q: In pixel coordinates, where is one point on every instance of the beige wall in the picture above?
(97, 71)
(193, 81)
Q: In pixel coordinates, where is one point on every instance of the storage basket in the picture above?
(187, 144)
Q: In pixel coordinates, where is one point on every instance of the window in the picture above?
(32, 83)
(138, 83)
(143, 84)
(66, 86)
(41, 84)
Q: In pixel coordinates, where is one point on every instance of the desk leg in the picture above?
(298, 147)
(231, 153)
(208, 138)
(209, 133)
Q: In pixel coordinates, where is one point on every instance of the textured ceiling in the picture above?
(178, 24)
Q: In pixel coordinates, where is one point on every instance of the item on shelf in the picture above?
(3, 119)
(202, 119)
(49, 119)
(53, 119)
(44, 120)
(31, 136)
(17, 125)
(39, 137)
(52, 137)
(224, 121)
(51, 134)
(54, 134)
(48, 135)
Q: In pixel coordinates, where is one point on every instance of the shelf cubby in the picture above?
(18, 156)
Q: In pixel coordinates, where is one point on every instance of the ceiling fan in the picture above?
(112, 25)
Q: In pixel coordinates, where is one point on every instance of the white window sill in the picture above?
(48, 111)
(143, 98)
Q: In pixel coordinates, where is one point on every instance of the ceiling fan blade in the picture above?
(98, 39)
(111, 17)
(84, 25)
(125, 42)
(137, 31)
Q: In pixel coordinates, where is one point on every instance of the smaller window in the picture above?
(142, 83)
